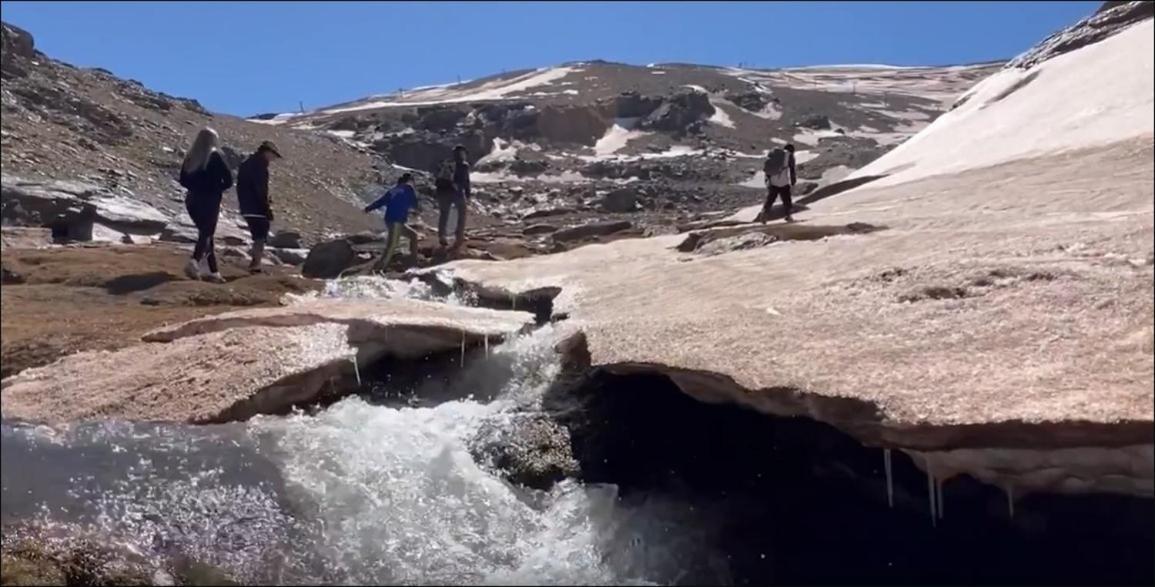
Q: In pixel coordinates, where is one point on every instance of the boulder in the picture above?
(328, 259)
(582, 125)
(620, 200)
(592, 229)
(815, 121)
(529, 449)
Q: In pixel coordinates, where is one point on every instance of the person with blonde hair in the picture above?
(206, 177)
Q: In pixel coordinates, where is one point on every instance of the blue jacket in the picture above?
(397, 202)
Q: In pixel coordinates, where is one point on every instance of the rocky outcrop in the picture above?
(235, 365)
(528, 448)
(328, 259)
(1109, 19)
(680, 114)
(15, 45)
(71, 209)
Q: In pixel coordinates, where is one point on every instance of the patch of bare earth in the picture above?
(63, 300)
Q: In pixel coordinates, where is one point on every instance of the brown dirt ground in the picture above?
(72, 299)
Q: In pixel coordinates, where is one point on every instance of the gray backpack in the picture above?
(777, 165)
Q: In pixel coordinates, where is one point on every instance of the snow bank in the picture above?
(617, 137)
(1099, 94)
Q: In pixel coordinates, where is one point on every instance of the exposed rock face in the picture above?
(235, 365)
(71, 209)
(15, 45)
(1109, 19)
(681, 113)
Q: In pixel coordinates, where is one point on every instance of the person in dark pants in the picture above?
(253, 199)
(206, 177)
(780, 179)
(453, 190)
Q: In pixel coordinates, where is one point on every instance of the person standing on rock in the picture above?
(780, 178)
(397, 202)
(206, 177)
(453, 190)
(253, 199)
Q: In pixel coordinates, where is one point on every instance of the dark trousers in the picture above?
(772, 193)
(204, 209)
(445, 201)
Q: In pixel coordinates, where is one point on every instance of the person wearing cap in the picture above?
(398, 201)
(253, 198)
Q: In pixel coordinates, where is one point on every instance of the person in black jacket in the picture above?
(253, 198)
(206, 177)
(453, 190)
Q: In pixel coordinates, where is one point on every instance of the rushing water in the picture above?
(357, 493)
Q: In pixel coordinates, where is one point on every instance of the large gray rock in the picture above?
(328, 259)
(620, 200)
(17, 47)
(286, 239)
(71, 209)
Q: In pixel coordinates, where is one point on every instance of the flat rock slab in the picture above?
(232, 366)
(400, 327)
(227, 375)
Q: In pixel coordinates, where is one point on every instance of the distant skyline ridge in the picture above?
(282, 57)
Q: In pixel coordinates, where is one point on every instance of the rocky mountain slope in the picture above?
(87, 125)
(664, 139)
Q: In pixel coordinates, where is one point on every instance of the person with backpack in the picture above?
(398, 201)
(780, 178)
(453, 190)
(253, 199)
(206, 177)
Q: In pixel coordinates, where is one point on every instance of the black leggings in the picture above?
(772, 193)
(204, 209)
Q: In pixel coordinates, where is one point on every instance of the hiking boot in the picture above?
(192, 269)
(214, 278)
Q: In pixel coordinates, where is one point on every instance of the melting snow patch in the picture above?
(617, 137)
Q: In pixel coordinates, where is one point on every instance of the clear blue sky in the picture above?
(250, 57)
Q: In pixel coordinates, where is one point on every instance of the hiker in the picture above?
(206, 177)
(452, 189)
(780, 177)
(253, 199)
(397, 202)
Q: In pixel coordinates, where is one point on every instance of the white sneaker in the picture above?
(192, 269)
(214, 278)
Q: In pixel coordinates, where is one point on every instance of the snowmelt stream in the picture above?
(357, 493)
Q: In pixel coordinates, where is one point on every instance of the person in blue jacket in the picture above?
(398, 201)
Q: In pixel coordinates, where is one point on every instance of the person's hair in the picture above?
(789, 147)
(202, 148)
(405, 178)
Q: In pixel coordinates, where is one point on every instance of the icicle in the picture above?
(463, 348)
(512, 301)
(356, 369)
(487, 346)
(930, 494)
(1011, 500)
(938, 497)
(889, 477)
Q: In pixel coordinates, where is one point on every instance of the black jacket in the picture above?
(461, 178)
(253, 187)
(213, 180)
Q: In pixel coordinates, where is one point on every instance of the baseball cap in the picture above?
(269, 146)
